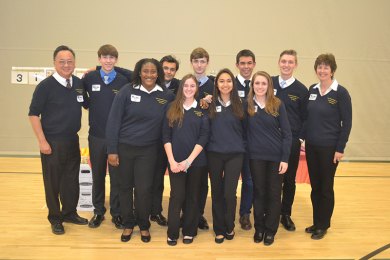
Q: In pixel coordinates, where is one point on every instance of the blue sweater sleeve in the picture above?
(166, 131)
(204, 131)
(114, 120)
(286, 133)
(345, 110)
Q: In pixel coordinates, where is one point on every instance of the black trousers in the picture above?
(158, 181)
(136, 170)
(61, 178)
(224, 172)
(98, 155)
(289, 186)
(204, 190)
(321, 171)
(185, 190)
(267, 184)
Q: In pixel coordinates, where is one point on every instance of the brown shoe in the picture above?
(245, 222)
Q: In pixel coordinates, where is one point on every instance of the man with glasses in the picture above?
(55, 116)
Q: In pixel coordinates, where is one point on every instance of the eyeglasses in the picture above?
(66, 62)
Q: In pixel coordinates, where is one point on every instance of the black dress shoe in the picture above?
(245, 222)
(188, 240)
(310, 229)
(287, 223)
(145, 238)
(203, 223)
(117, 220)
(171, 242)
(230, 236)
(76, 219)
(57, 228)
(219, 240)
(269, 239)
(126, 238)
(160, 219)
(318, 234)
(258, 237)
(95, 221)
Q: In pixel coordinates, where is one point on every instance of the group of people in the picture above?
(146, 121)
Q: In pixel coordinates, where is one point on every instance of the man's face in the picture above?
(287, 64)
(108, 62)
(199, 65)
(64, 64)
(246, 65)
(169, 70)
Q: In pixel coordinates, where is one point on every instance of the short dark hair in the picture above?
(62, 48)
(108, 49)
(170, 59)
(327, 59)
(138, 67)
(245, 53)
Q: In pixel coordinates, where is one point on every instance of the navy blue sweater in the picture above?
(329, 118)
(174, 86)
(227, 131)
(136, 117)
(294, 98)
(59, 108)
(194, 130)
(269, 136)
(242, 89)
(206, 89)
(99, 101)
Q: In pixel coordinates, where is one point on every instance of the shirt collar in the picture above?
(223, 103)
(111, 75)
(62, 80)
(203, 80)
(241, 79)
(333, 86)
(193, 105)
(258, 103)
(288, 82)
(156, 88)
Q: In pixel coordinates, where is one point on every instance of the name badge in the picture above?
(218, 108)
(80, 98)
(313, 97)
(96, 87)
(135, 98)
(256, 109)
(241, 93)
(275, 91)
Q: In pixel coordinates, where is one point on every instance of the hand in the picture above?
(45, 147)
(184, 165)
(175, 166)
(113, 159)
(337, 157)
(204, 104)
(283, 167)
(208, 98)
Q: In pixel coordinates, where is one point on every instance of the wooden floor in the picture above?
(361, 224)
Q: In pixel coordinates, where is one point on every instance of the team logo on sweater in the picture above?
(115, 91)
(275, 114)
(161, 101)
(332, 101)
(198, 113)
(79, 91)
(293, 98)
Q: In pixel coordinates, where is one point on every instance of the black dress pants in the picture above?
(158, 181)
(61, 178)
(267, 184)
(224, 174)
(321, 171)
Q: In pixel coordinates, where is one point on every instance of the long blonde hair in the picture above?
(272, 103)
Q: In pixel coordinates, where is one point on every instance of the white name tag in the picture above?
(241, 93)
(96, 87)
(135, 98)
(275, 91)
(256, 109)
(80, 98)
(218, 108)
(313, 97)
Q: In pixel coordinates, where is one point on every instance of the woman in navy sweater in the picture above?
(185, 134)
(225, 153)
(326, 132)
(133, 135)
(269, 143)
